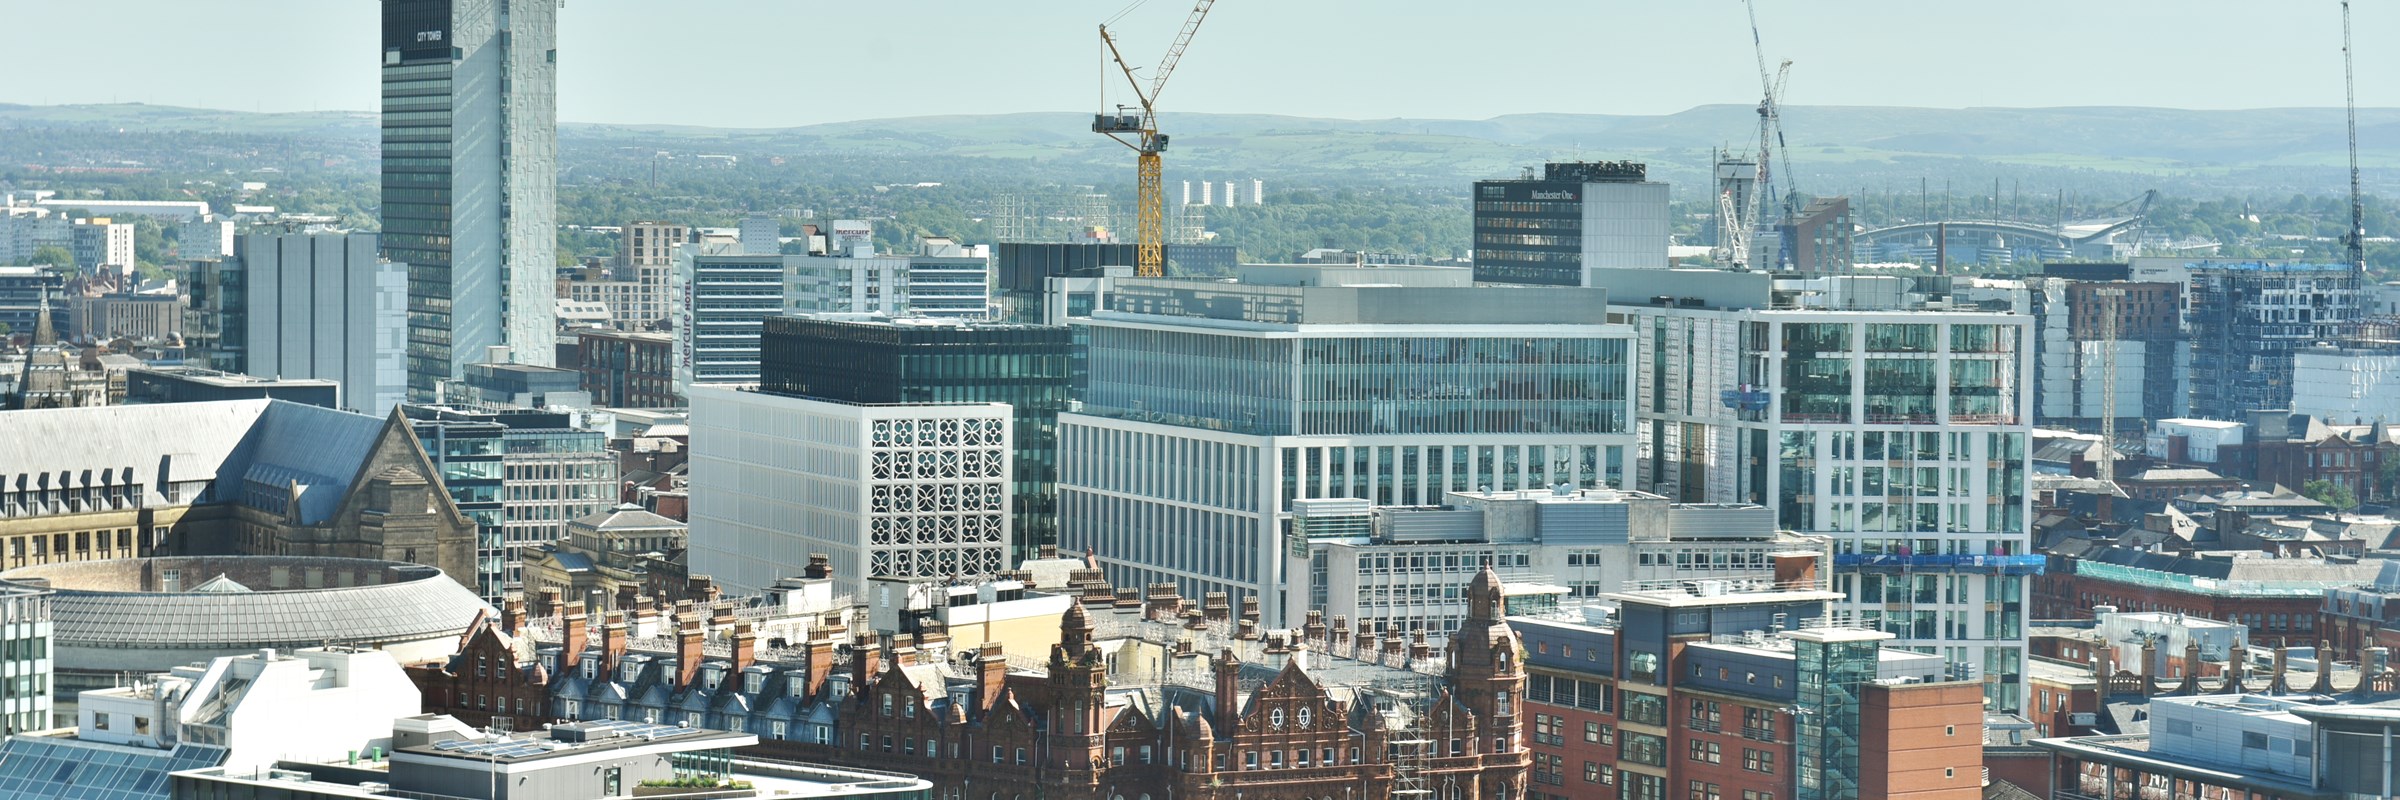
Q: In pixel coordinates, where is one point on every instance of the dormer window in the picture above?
(752, 682)
(712, 678)
(591, 667)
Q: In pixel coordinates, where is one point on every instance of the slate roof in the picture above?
(414, 602)
(271, 442)
(628, 516)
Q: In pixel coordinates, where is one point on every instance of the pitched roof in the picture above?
(627, 516)
(272, 443)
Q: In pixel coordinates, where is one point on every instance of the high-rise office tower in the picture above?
(1863, 411)
(1213, 407)
(470, 177)
(1578, 216)
(303, 305)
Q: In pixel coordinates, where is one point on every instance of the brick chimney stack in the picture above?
(745, 647)
(688, 653)
(991, 675)
(1160, 603)
(819, 662)
(571, 639)
(1215, 608)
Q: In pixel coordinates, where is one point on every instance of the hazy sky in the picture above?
(794, 62)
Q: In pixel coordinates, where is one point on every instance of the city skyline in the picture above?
(1054, 64)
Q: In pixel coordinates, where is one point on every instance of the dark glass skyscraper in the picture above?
(875, 360)
(470, 177)
(1577, 216)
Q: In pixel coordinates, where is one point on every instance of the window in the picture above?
(996, 754)
(1595, 772)
(1706, 791)
(1250, 760)
(1642, 748)
(1020, 755)
(1759, 724)
(1760, 761)
(1275, 719)
(1707, 752)
(1591, 732)
(1644, 709)
(865, 742)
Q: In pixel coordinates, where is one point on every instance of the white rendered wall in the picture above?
(2346, 387)
(774, 479)
(1624, 226)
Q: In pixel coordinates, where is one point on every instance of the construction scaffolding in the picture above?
(1405, 700)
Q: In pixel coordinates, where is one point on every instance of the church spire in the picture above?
(44, 332)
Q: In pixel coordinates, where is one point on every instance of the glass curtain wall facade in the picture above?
(878, 362)
(1834, 669)
(418, 116)
(1194, 439)
(468, 454)
(521, 475)
(1900, 435)
(1394, 384)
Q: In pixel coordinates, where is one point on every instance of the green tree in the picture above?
(2387, 477)
(2330, 493)
(54, 255)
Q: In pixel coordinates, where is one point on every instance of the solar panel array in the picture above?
(510, 748)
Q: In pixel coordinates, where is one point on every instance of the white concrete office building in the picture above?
(1407, 567)
(905, 490)
(320, 305)
(1214, 406)
(1901, 434)
(2346, 385)
(470, 178)
(25, 659)
(720, 305)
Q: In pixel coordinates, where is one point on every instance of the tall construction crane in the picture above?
(1140, 132)
(1770, 122)
(2356, 238)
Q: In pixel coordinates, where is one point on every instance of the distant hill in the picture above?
(2256, 149)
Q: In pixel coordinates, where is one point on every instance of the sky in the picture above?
(774, 63)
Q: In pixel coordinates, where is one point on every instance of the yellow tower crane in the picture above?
(1140, 132)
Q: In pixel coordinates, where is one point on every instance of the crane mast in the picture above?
(2356, 238)
(1140, 132)
(1770, 130)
